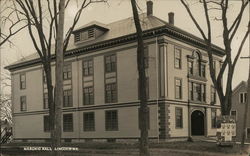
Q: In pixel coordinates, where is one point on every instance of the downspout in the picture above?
(78, 101)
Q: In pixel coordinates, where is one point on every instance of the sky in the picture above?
(119, 9)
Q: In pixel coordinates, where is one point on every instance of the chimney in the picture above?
(171, 18)
(149, 8)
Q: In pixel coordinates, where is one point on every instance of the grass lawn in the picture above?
(197, 148)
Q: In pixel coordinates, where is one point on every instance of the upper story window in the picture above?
(178, 88)
(23, 103)
(110, 93)
(67, 98)
(234, 114)
(197, 92)
(203, 70)
(243, 97)
(88, 95)
(190, 67)
(177, 58)
(110, 63)
(23, 81)
(213, 95)
(84, 35)
(88, 67)
(199, 69)
(45, 101)
(67, 72)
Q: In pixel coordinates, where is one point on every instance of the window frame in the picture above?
(89, 70)
(113, 93)
(69, 98)
(67, 71)
(244, 97)
(114, 123)
(236, 114)
(45, 101)
(180, 91)
(111, 65)
(89, 95)
(213, 97)
(179, 126)
(70, 125)
(213, 118)
(23, 102)
(23, 82)
(177, 58)
(88, 126)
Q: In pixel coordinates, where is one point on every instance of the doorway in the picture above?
(197, 123)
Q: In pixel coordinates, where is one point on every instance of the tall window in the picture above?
(89, 121)
(45, 101)
(147, 88)
(110, 93)
(46, 123)
(177, 58)
(190, 68)
(234, 114)
(67, 72)
(178, 118)
(68, 122)
(197, 92)
(213, 95)
(243, 97)
(88, 96)
(111, 120)
(110, 63)
(146, 57)
(213, 118)
(23, 103)
(203, 70)
(178, 89)
(67, 98)
(22, 81)
(88, 67)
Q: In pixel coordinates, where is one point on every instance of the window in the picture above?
(197, 92)
(234, 114)
(110, 63)
(177, 58)
(111, 120)
(243, 97)
(213, 118)
(190, 68)
(88, 96)
(68, 122)
(46, 123)
(45, 101)
(88, 67)
(67, 72)
(110, 93)
(67, 98)
(91, 33)
(203, 70)
(178, 89)
(89, 121)
(23, 103)
(178, 118)
(146, 57)
(22, 81)
(147, 88)
(213, 95)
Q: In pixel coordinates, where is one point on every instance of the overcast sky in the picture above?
(120, 9)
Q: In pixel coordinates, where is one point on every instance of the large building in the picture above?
(101, 84)
(239, 101)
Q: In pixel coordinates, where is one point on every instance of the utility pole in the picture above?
(246, 105)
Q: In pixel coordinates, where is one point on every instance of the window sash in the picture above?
(110, 93)
(67, 74)
(177, 61)
(178, 89)
(68, 122)
(110, 63)
(67, 98)
(89, 121)
(88, 95)
(22, 81)
(45, 101)
(88, 68)
(23, 103)
(111, 120)
(178, 118)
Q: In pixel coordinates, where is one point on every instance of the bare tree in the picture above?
(229, 32)
(143, 111)
(43, 26)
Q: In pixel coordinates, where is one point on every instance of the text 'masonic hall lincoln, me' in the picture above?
(101, 84)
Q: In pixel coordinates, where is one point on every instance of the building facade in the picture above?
(101, 84)
(239, 101)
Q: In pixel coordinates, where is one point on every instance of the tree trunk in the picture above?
(144, 111)
(59, 75)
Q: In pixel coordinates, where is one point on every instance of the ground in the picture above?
(197, 148)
